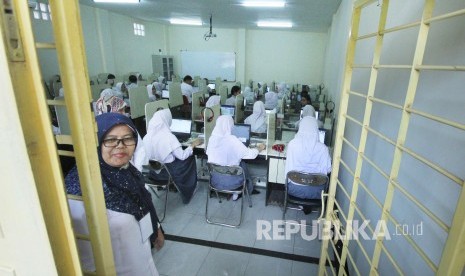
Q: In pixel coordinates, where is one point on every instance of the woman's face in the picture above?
(120, 154)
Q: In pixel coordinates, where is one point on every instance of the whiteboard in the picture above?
(209, 65)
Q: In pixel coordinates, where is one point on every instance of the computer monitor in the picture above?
(165, 94)
(242, 132)
(302, 112)
(322, 134)
(228, 110)
(212, 86)
(181, 128)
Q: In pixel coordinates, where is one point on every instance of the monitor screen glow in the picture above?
(181, 126)
(242, 132)
(228, 110)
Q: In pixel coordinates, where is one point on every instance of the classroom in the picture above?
(383, 79)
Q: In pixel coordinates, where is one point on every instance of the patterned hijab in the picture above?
(106, 104)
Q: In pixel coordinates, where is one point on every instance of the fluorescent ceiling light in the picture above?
(274, 24)
(117, 1)
(264, 4)
(195, 22)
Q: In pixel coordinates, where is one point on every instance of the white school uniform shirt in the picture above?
(305, 153)
(131, 85)
(187, 90)
(160, 144)
(212, 101)
(224, 148)
(230, 101)
(257, 120)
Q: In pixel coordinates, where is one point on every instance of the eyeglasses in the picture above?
(114, 142)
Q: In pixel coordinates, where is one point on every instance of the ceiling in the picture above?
(306, 15)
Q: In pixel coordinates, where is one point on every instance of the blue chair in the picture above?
(225, 172)
(315, 181)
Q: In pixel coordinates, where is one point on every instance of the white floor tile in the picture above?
(182, 259)
(261, 265)
(224, 262)
(198, 228)
(304, 269)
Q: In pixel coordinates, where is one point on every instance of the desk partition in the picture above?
(175, 94)
(239, 116)
(223, 92)
(198, 103)
(96, 89)
(138, 97)
(152, 107)
(62, 117)
(208, 126)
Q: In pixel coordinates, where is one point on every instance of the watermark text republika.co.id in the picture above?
(325, 229)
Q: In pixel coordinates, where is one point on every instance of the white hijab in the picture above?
(159, 142)
(257, 120)
(308, 110)
(118, 86)
(150, 92)
(305, 153)
(213, 100)
(281, 87)
(159, 87)
(107, 93)
(271, 100)
(248, 93)
(224, 148)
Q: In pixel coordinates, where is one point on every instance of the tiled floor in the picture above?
(181, 258)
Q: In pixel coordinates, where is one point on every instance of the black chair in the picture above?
(305, 179)
(155, 184)
(225, 172)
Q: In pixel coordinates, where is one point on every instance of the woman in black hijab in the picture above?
(131, 215)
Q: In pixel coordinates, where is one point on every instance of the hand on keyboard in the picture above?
(197, 142)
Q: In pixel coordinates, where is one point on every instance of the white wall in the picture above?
(295, 57)
(336, 52)
(133, 53)
(261, 55)
(439, 93)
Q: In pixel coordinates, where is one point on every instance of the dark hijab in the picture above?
(123, 187)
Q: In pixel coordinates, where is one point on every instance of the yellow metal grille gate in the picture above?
(353, 164)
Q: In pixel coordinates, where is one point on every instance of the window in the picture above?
(42, 11)
(139, 29)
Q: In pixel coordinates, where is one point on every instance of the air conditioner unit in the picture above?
(32, 4)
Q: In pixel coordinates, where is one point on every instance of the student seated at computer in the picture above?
(213, 100)
(271, 100)
(308, 110)
(121, 88)
(257, 120)
(154, 91)
(132, 82)
(161, 145)
(248, 94)
(226, 149)
(235, 90)
(186, 87)
(305, 153)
